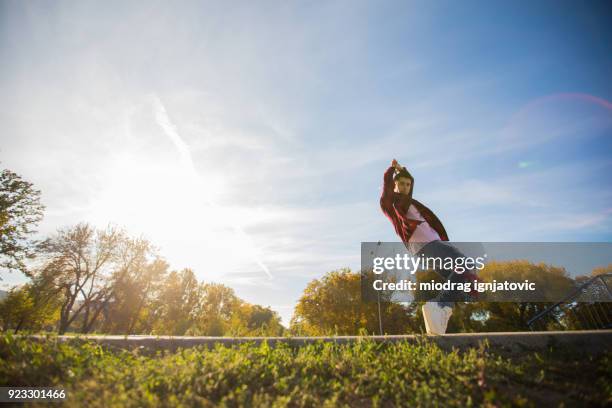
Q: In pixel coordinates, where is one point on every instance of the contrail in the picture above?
(163, 120)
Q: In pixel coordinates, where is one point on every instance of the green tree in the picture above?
(32, 306)
(20, 212)
(550, 281)
(219, 312)
(333, 305)
(263, 321)
(216, 307)
(134, 296)
(254, 320)
(175, 309)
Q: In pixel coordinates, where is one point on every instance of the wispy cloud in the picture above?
(163, 120)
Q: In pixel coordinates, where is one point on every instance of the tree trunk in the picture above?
(85, 318)
(90, 324)
(19, 325)
(65, 312)
(134, 318)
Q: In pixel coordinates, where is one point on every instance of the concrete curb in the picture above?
(590, 341)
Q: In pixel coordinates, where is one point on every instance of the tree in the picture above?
(254, 320)
(601, 270)
(550, 281)
(13, 307)
(76, 259)
(129, 263)
(175, 309)
(29, 307)
(216, 306)
(333, 305)
(134, 297)
(219, 312)
(263, 321)
(20, 212)
(86, 264)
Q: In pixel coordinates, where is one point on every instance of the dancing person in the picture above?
(423, 234)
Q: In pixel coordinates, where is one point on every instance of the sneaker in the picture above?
(436, 317)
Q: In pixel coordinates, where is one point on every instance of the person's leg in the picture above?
(443, 250)
(437, 312)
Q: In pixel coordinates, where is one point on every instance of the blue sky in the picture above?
(248, 140)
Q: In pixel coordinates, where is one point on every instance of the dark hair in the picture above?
(402, 173)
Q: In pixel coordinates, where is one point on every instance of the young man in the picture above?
(422, 233)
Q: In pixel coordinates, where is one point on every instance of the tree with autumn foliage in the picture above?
(332, 305)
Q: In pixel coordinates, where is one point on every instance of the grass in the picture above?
(358, 375)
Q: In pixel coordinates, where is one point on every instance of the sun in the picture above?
(177, 212)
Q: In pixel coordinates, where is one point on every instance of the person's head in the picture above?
(403, 182)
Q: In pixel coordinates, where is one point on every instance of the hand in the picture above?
(395, 164)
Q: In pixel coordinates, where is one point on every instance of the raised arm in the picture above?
(386, 199)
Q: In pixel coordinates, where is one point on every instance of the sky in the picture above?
(247, 140)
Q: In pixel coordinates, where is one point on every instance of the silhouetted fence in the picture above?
(588, 307)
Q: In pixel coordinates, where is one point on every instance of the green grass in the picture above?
(363, 374)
